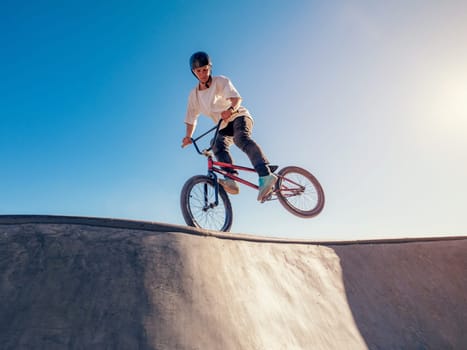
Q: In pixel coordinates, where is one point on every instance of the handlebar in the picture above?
(204, 151)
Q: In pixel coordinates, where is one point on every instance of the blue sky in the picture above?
(370, 96)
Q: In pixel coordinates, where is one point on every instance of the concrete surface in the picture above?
(89, 283)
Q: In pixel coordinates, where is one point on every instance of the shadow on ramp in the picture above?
(408, 295)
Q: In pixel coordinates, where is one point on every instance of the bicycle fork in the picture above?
(210, 205)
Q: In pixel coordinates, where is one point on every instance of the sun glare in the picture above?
(456, 102)
(449, 104)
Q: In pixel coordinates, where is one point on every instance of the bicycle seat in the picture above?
(273, 168)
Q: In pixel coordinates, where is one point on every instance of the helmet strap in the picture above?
(208, 83)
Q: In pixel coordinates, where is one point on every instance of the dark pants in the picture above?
(238, 131)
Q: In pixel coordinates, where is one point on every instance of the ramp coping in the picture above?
(172, 228)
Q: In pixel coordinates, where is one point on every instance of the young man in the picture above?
(216, 97)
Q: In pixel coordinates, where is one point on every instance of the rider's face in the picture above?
(203, 73)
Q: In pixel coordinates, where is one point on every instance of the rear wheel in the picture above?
(300, 192)
(199, 207)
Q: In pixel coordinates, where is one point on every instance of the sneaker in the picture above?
(230, 186)
(266, 186)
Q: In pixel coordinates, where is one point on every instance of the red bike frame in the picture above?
(216, 167)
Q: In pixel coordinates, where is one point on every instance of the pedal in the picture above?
(267, 196)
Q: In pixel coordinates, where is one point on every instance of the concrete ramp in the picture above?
(88, 283)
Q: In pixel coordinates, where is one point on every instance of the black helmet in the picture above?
(199, 59)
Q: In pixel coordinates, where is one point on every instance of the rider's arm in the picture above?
(190, 129)
(235, 104)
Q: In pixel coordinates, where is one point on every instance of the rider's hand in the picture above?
(186, 141)
(225, 115)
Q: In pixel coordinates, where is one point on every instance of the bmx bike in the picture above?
(206, 205)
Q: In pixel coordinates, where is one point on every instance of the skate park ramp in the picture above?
(90, 283)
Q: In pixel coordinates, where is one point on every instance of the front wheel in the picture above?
(201, 208)
(299, 192)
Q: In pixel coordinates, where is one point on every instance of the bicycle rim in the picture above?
(199, 208)
(300, 192)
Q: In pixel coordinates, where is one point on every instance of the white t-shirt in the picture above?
(213, 101)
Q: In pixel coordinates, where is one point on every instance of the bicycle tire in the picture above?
(197, 202)
(300, 192)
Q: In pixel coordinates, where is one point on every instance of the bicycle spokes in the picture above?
(289, 188)
(206, 206)
(299, 192)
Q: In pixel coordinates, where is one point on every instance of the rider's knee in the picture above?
(242, 141)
